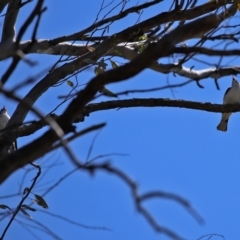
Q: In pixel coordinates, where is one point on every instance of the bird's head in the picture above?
(235, 82)
(3, 110)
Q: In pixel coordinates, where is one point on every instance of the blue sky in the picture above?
(169, 149)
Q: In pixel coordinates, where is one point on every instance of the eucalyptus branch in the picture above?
(23, 199)
(27, 130)
(140, 198)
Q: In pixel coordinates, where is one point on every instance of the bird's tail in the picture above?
(222, 126)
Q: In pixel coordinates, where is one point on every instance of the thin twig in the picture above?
(23, 199)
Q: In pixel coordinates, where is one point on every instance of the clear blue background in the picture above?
(169, 149)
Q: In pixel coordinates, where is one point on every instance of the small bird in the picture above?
(231, 96)
(4, 118)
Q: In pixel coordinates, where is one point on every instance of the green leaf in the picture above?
(40, 201)
(3, 206)
(85, 36)
(89, 61)
(143, 37)
(25, 213)
(70, 83)
(141, 48)
(29, 208)
(98, 70)
(108, 93)
(26, 190)
(237, 4)
(102, 64)
(118, 51)
(114, 64)
(90, 49)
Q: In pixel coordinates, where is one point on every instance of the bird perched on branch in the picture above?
(231, 96)
(4, 118)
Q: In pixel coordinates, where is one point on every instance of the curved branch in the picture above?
(80, 35)
(43, 144)
(157, 20)
(52, 78)
(215, 73)
(37, 12)
(160, 102)
(60, 46)
(27, 130)
(5, 165)
(126, 52)
(207, 51)
(8, 33)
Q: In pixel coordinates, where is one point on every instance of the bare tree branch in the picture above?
(27, 130)
(142, 44)
(3, 4)
(151, 53)
(157, 20)
(23, 199)
(37, 12)
(8, 33)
